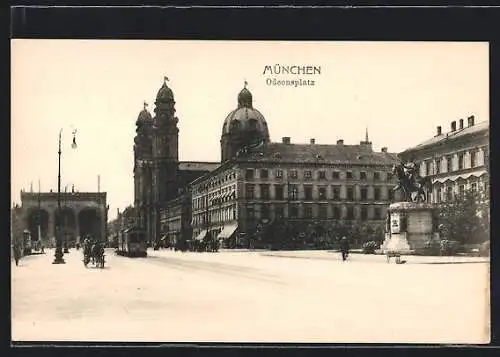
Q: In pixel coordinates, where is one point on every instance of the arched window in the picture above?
(252, 124)
(235, 125)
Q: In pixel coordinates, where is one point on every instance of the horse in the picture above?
(419, 185)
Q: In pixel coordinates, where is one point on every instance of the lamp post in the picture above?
(66, 250)
(58, 256)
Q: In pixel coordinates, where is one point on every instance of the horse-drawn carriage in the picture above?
(93, 252)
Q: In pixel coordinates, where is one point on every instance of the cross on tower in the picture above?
(165, 79)
(145, 105)
(246, 83)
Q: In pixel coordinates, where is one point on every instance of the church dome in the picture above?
(144, 117)
(245, 119)
(164, 93)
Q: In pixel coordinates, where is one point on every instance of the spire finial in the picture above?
(366, 135)
(246, 83)
(145, 105)
(165, 79)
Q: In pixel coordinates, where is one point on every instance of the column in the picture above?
(77, 225)
(51, 223)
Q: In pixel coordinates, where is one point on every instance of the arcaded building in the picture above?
(263, 188)
(457, 160)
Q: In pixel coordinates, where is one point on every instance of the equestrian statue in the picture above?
(413, 186)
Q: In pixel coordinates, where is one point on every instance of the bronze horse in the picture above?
(418, 185)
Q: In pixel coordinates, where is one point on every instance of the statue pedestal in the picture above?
(411, 226)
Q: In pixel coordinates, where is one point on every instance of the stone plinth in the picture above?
(411, 226)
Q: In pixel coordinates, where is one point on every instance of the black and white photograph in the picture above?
(250, 191)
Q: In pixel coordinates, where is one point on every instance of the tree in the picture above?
(466, 218)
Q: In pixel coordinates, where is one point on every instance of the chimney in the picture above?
(461, 125)
(470, 120)
(384, 149)
(453, 125)
(340, 142)
(438, 131)
(286, 140)
(313, 141)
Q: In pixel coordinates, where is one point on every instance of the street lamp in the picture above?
(58, 256)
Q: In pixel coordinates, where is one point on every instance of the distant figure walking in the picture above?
(17, 253)
(344, 248)
(42, 247)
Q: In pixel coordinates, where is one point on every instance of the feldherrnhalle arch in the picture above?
(82, 213)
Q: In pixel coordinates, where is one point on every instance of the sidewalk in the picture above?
(410, 259)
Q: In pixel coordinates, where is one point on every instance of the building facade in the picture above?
(261, 185)
(82, 213)
(159, 176)
(456, 161)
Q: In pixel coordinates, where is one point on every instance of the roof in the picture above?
(315, 153)
(198, 165)
(452, 135)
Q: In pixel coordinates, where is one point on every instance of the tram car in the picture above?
(132, 242)
(27, 244)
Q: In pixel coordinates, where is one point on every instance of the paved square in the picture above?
(305, 296)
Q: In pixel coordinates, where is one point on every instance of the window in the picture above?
(264, 192)
(321, 175)
(264, 210)
(362, 175)
(438, 195)
(473, 186)
(473, 159)
(294, 211)
(249, 174)
(461, 190)
(322, 193)
(389, 176)
(390, 193)
(428, 168)
(376, 176)
(350, 213)
(279, 212)
(294, 192)
(279, 174)
(308, 195)
(293, 174)
(350, 194)
(264, 174)
(449, 193)
(250, 212)
(364, 213)
(308, 211)
(336, 175)
(376, 193)
(438, 166)
(364, 193)
(378, 213)
(461, 161)
(449, 164)
(307, 174)
(250, 191)
(322, 212)
(349, 175)
(336, 193)
(336, 212)
(278, 190)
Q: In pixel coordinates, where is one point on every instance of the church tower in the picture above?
(165, 148)
(142, 167)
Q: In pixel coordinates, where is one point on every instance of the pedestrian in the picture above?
(17, 253)
(42, 247)
(344, 248)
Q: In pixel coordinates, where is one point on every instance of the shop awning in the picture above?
(465, 176)
(201, 236)
(227, 231)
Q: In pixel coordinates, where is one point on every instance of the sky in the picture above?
(400, 91)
